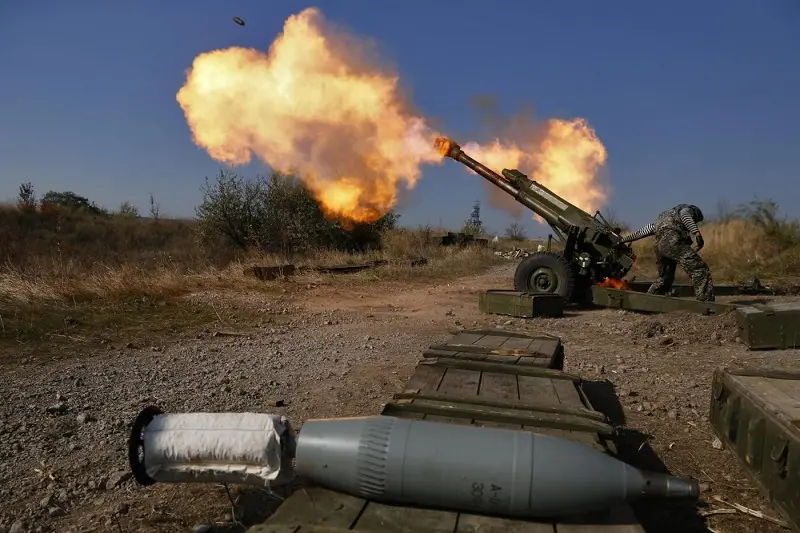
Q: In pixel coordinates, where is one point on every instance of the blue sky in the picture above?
(695, 101)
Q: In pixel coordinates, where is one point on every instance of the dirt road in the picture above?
(64, 424)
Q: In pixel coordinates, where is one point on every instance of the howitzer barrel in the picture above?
(451, 149)
(475, 469)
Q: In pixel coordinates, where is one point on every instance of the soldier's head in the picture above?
(696, 213)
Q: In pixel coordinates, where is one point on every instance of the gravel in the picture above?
(64, 425)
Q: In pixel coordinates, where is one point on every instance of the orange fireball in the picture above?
(612, 283)
(317, 105)
(314, 105)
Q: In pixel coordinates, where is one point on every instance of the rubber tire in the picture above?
(559, 267)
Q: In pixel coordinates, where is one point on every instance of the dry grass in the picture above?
(72, 276)
(64, 276)
(735, 250)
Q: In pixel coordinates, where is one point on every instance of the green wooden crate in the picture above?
(755, 412)
(770, 327)
(521, 304)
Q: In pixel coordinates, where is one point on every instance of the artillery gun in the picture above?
(591, 249)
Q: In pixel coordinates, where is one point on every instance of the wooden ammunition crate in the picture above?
(521, 304)
(755, 412)
(770, 327)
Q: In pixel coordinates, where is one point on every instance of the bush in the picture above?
(278, 215)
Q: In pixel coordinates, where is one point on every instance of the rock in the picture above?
(84, 418)
(716, 443)
(57, 409)
(122, 508)
(116, 479)
(704, 487)
(17, 527)
(201, 528)
(54, 512)
(666, 340)
(45, 502)
(672, 414)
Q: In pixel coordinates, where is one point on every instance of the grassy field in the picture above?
(72, 276)
(75, 276)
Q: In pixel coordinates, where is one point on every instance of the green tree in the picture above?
(70, 200)
(128, 210)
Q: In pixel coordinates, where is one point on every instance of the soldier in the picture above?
(673, 230)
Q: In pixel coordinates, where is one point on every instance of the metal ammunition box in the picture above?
(755, 412)
(653, 303)
(521, 304)
(770, 327)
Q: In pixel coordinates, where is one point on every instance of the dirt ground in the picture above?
(336, 352)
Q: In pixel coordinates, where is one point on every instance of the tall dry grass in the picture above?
(66, 256)
(736, 249)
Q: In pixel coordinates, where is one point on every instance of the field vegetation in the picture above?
(69, 266)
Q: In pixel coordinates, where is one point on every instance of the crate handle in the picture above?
(779, 454)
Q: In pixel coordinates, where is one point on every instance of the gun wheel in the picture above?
(545, 272)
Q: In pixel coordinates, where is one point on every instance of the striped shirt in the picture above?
(641, 233)
(686, 217)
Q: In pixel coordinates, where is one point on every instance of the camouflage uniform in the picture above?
(673, 230)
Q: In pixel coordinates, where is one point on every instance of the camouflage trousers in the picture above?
(673, 250)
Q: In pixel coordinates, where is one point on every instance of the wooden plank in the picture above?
(496, 350)
(470, 523)
(765, 372)
(400, 519)
(499, 368)
(502, 332)
(541, 361)
(491, 340)
(568, 396)
(483, 356)
(767, 392)
(540, 390)
(500, 386)
(457, 382)
(790, 388)
(315, 505)
(497, 389)
(518, 343)
(425, 378)
(466, 337)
